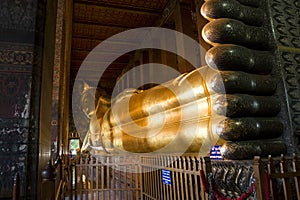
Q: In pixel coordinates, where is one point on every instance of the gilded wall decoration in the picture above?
(286, 26)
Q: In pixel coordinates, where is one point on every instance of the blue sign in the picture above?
(166, 176)
(215, 153)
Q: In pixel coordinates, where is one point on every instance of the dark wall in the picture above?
(21, 45)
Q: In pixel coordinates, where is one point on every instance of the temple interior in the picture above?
(149, 99)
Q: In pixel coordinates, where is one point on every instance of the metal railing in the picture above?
(150, 177)
(277, 178)
(170, 177)
(132, 177)
(102, 177)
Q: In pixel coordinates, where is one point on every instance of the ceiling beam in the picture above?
(86, 52)
(122, 59)
(81, 36)
(107, 41)
(97, 64)
(96, 23)
(99, 32)
(82, 22)
(120, 8)
(108, 28)
(113, 65)
(93, 43)
(106, 75)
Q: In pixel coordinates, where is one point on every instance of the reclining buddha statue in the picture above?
(190, 113)
(233, 101)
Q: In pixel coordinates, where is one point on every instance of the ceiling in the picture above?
(96, 20)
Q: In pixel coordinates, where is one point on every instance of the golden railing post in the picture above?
(259, 174)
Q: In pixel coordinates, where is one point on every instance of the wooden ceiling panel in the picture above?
(89, 31)
(85, 43)
(109, 46)
(111, 16)
(94, 21)
(147, 5)
(81, 55)
(94, 66)
(111, 75)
